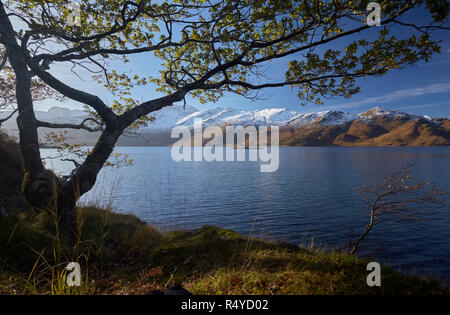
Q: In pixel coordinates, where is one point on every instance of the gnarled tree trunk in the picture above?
(42, 188)
(37, 184)
(85, 176)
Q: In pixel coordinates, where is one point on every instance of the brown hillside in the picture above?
(359, 131)
(382, 131)
(419, 132)
(311, 135)
(390, 123)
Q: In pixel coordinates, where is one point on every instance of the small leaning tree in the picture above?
(206, 48)
(398, 197)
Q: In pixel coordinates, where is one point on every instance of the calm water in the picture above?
(313, 197)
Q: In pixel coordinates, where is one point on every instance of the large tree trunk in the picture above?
(44, 190)
(85, 176)
(38, 182)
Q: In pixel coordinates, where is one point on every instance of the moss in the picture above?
(281, 272)
(21, 243)
(206, 262)
(114, 236)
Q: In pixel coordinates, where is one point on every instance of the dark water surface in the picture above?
(313, 197)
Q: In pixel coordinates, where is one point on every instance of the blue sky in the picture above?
(424, 89)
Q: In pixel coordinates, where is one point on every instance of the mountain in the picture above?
(54, 114)
(375, 127)
(382, 131)
(169, 117)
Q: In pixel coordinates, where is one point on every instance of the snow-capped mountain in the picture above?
(376, 112)
(222, 116)
(169, 117)
(53, 115)
(376, 126)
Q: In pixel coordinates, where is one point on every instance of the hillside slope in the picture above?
(395, 132)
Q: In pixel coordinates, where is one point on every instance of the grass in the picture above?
(120, 254)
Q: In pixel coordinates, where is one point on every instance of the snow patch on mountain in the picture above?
(271, 116)
(177, 116)
(169, 116)
(53, 115)
(376, 112)
(61, 115)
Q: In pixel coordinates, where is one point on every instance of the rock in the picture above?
(290, 247)
(2, 213)
(177, 290)
(155, 292)
(188, 260)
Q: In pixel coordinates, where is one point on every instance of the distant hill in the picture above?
(382, 131)
(375, 127)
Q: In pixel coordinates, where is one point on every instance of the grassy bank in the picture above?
(120, 254)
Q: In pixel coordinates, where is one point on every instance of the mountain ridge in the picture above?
(374, 127)
(171, 116)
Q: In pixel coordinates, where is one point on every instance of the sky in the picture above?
(423, 89)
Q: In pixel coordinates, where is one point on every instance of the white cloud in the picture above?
(425, 105)
(399, 95)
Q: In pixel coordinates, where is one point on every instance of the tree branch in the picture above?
(9, 117)
(83, 97)
(71, 126)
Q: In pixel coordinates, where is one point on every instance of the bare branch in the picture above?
(82, 125)
(9, 116)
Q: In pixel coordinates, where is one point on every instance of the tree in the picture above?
(39, 90)
(206, 47)
(398, 197)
